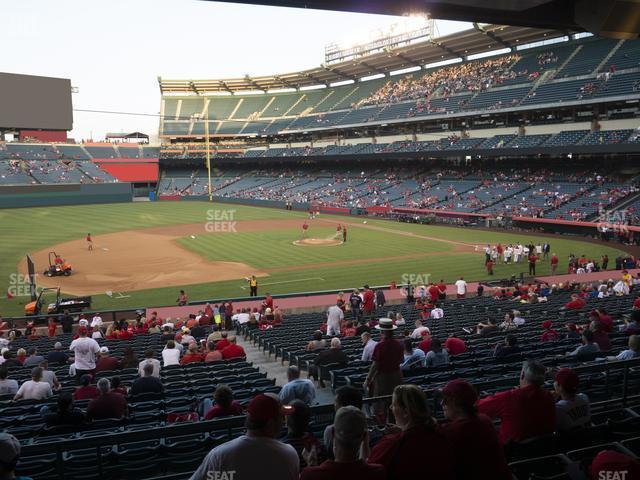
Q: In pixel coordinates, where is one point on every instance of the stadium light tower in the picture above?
(195, 117)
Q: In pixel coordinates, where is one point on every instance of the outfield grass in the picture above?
(29, 230)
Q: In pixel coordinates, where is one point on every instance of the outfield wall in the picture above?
(53, 195)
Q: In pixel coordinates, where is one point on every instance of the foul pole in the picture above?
(207, 152)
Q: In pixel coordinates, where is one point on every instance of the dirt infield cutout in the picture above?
(317, 242)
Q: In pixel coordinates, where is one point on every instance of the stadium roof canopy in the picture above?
(480, 39)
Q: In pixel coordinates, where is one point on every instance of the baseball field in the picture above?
(144, 253)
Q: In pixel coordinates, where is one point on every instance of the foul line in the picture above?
(244, 287)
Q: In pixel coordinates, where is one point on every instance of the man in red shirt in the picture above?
(233, 350)
(349, 432)
(222, 343)
(576, 303)
(532, 264)
(442, 287)
(525, 412)
(108, 404)
(455, 345)
(554, 263)
(434, 292)
(367, 302)
(549, 335)
(267, 302)
(489, 265)
(476, 445)
(192, 356)
(385, 374)
(425, 344)
(106, 362)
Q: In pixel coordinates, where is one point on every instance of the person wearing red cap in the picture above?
(572, 408)
(455, 345)
(549, 334)
(527, 411)
(476, 446)
(84, 349)
(610, 465)
(258, 453)
(233, 350)
(576, 303)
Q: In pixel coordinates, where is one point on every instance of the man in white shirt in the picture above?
(369, 344)
(437, 313)
(461, 288)
(34, 389)
(149, 355)
(96, 321)
(517, 318)
(334, 316)
(84, 350)
(259, 453)
(419, 330)
(7, 385)
(242, 317)
(170, 355)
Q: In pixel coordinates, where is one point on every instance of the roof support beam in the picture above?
(494, 37)
(252, 82)
(284, 82)
(374, 70)
(341, 74)
(225, 86)
(444, 48)
(408, 60)
(315, 79)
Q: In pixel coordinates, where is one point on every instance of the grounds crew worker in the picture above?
(253, 286)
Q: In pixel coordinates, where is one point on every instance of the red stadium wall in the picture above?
(131, 172)
(45, 135)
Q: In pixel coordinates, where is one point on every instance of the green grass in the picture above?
(28, 230)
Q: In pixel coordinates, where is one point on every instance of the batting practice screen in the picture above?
(31, 102)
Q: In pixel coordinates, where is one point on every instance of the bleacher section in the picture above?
(552, 74)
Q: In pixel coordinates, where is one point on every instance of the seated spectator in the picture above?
(417, 433)
(7, 385)
(148, 383)
(509, 347)
(192, 355)
(118, 387)
(425, 343)
(258, 453)
(233, 350)
(33, 360)
(330, 356)
(572, 408)
(413, 357)
(9, 361)
(298, 435)
(297, 388)
(149, 355)
(368, 345)
(630, 353)
(129, 359)
(346, 395)
(9, 457)
(107, 404)
(66, 414)
(317, 343)
(418, 331)
(57, 356)
(576, 303)
(224, 404)
(487, 329)
(34, 389)
(525, 412)
(349, 434)
(349, 330)
(476, 446)
(600, 336)
(170, 354)
(106, 362)
(437, 356)
(609, 464)
(549, 334)
(508, 323)
(632, 325)
(212, 355)
(85, 391)
(455, 345)
(572, 331)
(588, 346)
(49, 376)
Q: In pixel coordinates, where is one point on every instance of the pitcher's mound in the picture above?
(317, 242)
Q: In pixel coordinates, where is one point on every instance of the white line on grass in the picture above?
(244, 287)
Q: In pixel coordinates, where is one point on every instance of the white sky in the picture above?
(114, 50)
